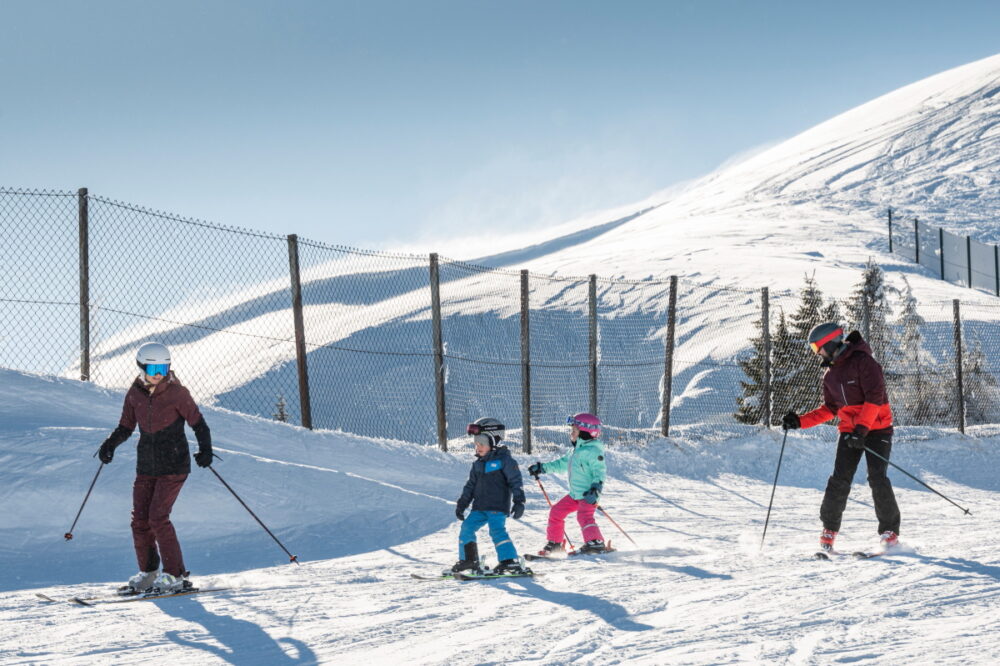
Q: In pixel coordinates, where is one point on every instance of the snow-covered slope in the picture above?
(812, 204)
(362, 515)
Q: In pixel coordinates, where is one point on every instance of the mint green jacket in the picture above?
(585, 463)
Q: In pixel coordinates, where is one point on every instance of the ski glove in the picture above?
(853, 440)
(536, 469)
(590, 497)
(204, 456)
(790, 421)
(517, 510)
(107, 452)
(460, 512)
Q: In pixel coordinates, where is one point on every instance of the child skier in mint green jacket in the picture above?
(587, 471)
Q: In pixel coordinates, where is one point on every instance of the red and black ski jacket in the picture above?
(854, 391)
(160, 416)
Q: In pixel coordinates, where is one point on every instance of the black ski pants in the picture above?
(839, 485)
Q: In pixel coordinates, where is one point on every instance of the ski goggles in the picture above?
(476, 429)
(816, 346)
(573, 421)
(153, 369)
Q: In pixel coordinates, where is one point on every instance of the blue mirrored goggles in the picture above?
(579, 424)
(153, 369)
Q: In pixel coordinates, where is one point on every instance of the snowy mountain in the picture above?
(813, 204)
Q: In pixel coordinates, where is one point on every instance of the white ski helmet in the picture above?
(153, 359)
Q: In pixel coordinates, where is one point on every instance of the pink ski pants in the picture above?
(584, 515)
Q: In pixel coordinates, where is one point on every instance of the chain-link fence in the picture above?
(413, 348)
(958, 259)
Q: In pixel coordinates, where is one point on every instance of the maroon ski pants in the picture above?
(152, 499)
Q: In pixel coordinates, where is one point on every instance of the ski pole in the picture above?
(291, 558)
(914, 478)
(773, 487)
(69, 535)
(601, 509)
(565, 536)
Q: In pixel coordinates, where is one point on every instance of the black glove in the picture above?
(107, 452)
(460, 512)
(204, 456)
(790, 421)
(853, 440)
(590, 497)
(517, 510)
(536, 469)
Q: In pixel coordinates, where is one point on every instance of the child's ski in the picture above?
(492, 576)
(81, 601)
(440, 577)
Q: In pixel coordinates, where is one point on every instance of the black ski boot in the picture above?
(552, 549)
(511, 567)
(594, 546)
(470, 562)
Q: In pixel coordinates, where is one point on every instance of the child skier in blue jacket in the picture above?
(494, 480)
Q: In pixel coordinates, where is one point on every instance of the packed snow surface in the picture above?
(362, 515)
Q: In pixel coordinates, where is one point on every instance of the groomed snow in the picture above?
(362, 515)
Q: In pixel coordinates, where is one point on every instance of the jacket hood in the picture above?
(855, 343)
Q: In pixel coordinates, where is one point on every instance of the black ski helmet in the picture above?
(486, 431)
(828, 337)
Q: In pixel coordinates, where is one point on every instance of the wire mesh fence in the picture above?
(361, 354)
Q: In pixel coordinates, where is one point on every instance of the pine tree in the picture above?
(750, 405)
(868, 311)
(913, 387)
(805, 374)
(282, 413)
(982, 392)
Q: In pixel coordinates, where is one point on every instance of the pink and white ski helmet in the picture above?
(587, 423)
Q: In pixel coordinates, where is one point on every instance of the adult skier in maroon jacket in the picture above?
(853, 391)
(159, 405)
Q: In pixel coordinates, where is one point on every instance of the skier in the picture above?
(159, 405)
(586, 470)
(853, 391)
(493, 481)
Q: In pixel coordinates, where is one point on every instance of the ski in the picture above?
(492, 576)
(532, 557)
(441, 577)
(140, 597)
(867, 555)
(828, 554)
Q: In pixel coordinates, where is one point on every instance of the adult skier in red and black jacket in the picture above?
(159, 405)
(853, 391)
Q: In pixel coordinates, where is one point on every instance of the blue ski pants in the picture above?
(497, 520)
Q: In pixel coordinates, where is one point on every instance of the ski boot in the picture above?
(469, 563)
(593, 546)
(826, 540)
(168, 584)
(138, 584)
(888, 539)
(552, 549)
(511, 568)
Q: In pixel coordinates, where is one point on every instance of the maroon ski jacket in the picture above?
(160, 415)
(854, 391)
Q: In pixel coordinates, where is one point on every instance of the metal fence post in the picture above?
(305, 405)
(525, 365)
(765, 321)
(960, 389)
(916, 239)
(968, 257)
(668, 358)
(996, 267)
(442, 423)
(941, 249)
(890, 231)
(83, 221)
(593, 343)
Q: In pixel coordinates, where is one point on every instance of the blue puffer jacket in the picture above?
(585, 464)
(494, 479)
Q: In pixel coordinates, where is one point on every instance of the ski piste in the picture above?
(116, 598)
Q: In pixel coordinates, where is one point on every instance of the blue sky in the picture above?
(378, 123)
